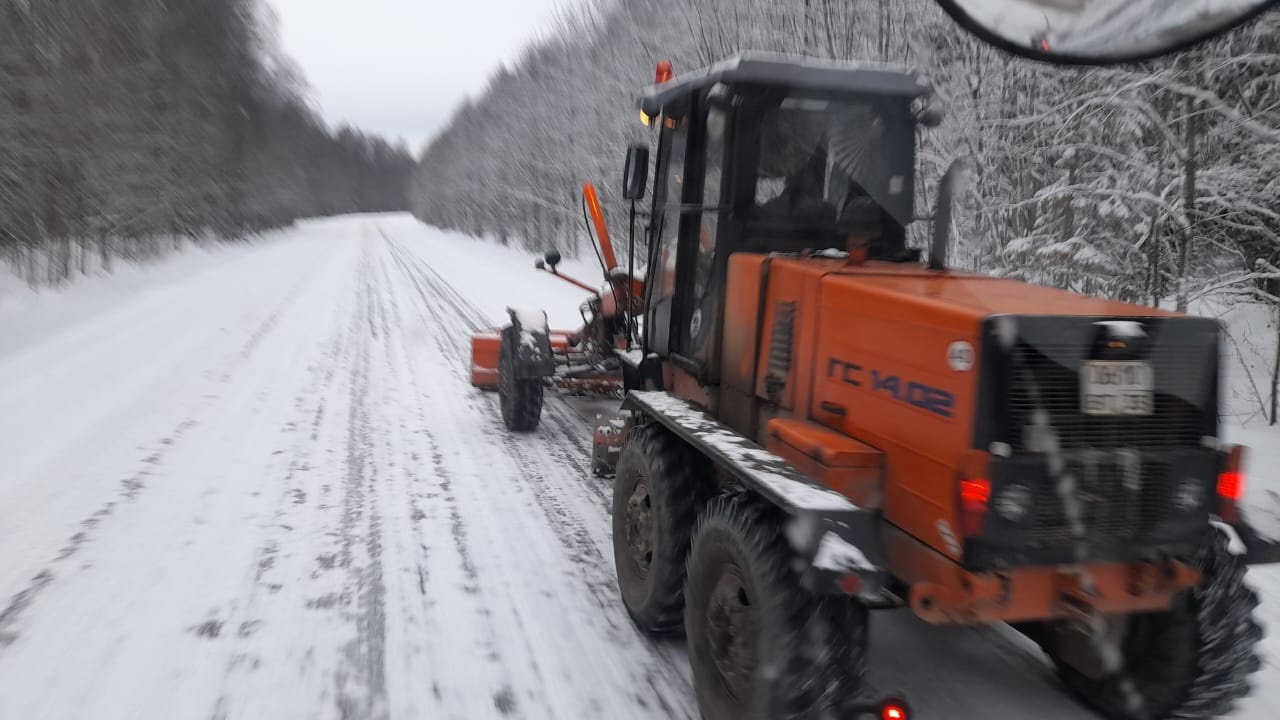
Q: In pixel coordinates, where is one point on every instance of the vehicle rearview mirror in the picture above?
(1100, 32)
(636, 176)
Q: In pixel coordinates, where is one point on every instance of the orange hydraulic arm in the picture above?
(543, 267)
(602, 232)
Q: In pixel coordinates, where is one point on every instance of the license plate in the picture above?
(1110, 389)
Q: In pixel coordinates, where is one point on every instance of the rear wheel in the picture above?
(519, 398)
(760, 645)
(1192, 661)
(660, 486)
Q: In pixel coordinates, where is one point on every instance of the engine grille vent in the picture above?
(1176, 422)
(780, 344)
(1122, 496)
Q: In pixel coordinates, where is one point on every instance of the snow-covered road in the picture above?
(268, 491)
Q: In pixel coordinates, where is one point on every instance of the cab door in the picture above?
(669, 197)
(701, 291)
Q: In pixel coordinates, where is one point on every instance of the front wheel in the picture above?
(660, 487)
(519, 398)
(761, 646)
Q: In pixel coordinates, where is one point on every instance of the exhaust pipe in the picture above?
(942, 216)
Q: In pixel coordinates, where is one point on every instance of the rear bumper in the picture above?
(1137, 506)
(943, 592)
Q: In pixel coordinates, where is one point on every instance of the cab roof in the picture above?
(802, 74)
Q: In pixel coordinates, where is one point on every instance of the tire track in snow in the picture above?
(592, 568)
(438, 489)
(289, 581)
(361, 529)
(439, 534)
(131, 487)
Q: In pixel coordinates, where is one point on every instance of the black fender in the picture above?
(838, 545)
(640, 371)
(534, 357)
(1258, 549)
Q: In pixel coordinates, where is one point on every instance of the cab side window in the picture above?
(669, 194)
(712, 184)
(672, 195)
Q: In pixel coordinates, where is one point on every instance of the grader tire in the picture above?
(660, 487)
(1193, 661)
(761, 646)
(520, 398)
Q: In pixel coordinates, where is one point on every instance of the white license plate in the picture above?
(1117, 389)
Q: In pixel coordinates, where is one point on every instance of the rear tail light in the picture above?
(974, 494)
(894, 710)
(1231, 484)
(975, 499)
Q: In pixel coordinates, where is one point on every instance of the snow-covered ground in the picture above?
(262, 487)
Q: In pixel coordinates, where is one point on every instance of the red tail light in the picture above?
(893, 711)
(1231, 484)
(975, 498)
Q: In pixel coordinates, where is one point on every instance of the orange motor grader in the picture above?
(820, 422)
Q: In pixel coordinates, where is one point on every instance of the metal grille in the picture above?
(780, 341)
(1177, 420)
(1122, 493)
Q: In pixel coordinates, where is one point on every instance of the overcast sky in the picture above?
(399, 67)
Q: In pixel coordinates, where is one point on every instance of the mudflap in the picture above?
(606, 443)
(531, 338)
(838, 546)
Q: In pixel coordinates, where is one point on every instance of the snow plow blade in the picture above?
(485, 346)
(838, 542)
(484, 359)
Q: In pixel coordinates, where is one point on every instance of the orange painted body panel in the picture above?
(789, 282)
(825, 445)
(979, 296)
(742, 305)
(843, 464)
(870, 333)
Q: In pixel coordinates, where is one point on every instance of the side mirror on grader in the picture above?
(1100, 32)
(636, 176)
(552, 259)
